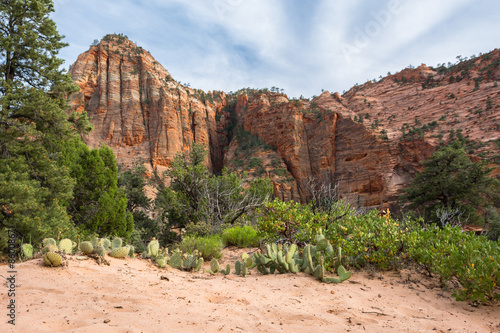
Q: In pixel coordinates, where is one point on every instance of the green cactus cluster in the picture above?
(287, 259)
(184, 261)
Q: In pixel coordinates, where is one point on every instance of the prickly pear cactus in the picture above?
(214, 265)
(120, 252)
(27, 251)
(176, 260)
(50, 248)
(237, 267)
(343, 274)
(52, 259)
(161, 262)
(66, 245)
(49, 241)
(322, 244)
(131, 252)
(106, 243)
(199, 265)
(101, 251)
(86, 247)
(116, 243)
(153, 248)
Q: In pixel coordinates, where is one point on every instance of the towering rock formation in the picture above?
(368, 141)
(138, 109)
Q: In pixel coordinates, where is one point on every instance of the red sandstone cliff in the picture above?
(370, 140)
(138, 109)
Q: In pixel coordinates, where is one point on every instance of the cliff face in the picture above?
(138, 109)
(368, 141)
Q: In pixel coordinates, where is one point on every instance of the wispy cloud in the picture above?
(300, 46)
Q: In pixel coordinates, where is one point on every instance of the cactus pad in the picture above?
(66, 245)
(27, 251)
(322, 244)
(176, 260)
(153, 247)
(49, 241)
(161, 262)
(120, 252)
(50, 248)
(214, 265)
(343, 274)
(106, 243)
(101, 251)
(86, 247)
(237, 267)
(116, 243)
(52, 259)
(331, 280)
(199, 264)
(131, 252)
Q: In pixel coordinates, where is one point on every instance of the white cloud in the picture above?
(298, 46)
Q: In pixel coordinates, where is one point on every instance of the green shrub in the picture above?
(209, 246)
(472, 260)
(289, 221)
(368, 238)
(241, 236)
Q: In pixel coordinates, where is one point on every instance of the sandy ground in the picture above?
(131, 296)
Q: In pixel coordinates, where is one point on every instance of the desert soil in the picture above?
(132, 295)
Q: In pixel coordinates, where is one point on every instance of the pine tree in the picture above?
(451, 182)
(35, 184)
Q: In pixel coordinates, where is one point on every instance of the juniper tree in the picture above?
(35, 185)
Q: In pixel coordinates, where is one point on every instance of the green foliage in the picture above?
(378, 240)
(133, 182)
(368, 239)
(249, 143)
(493, 224)
(453, 254)
(241, 236)
(208, 246)
(290, 221)
(99, 206)
(35, 186)
(450, 180)
(207, 202)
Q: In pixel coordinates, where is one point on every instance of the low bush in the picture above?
(241, 236)
(209, 246)
(465, 261)
(368, 239)
(458, 256)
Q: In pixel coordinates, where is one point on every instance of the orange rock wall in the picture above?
(354, 140)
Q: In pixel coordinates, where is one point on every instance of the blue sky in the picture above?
(299, 46)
